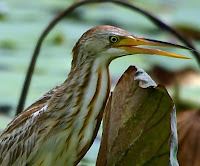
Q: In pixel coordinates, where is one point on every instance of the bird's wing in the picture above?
(17, 145)
(22, 133)
(12, 145)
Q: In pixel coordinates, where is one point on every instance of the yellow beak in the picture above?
(131, 43)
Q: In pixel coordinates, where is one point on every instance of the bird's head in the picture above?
(108, 42)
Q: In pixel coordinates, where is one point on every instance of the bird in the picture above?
(60, 127)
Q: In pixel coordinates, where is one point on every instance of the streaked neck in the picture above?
(83, 95)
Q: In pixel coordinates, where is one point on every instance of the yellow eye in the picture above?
(113, 39)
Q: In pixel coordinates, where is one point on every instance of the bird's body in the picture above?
(59, 128)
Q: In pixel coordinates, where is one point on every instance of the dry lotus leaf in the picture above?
(189, 138)
(139, 124)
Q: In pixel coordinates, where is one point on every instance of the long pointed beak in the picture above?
(131, 45)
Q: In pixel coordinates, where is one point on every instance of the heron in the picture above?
(59, 128)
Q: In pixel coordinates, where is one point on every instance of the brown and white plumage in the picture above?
(59, 128)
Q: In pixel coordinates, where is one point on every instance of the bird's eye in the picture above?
(113, 39)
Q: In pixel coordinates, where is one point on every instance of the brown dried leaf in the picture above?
(137, 129)
(189, 138)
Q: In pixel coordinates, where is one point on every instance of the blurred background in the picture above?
(21, 23)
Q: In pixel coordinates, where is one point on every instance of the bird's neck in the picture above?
(91, 85)
(81, 99)
(80, 103)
